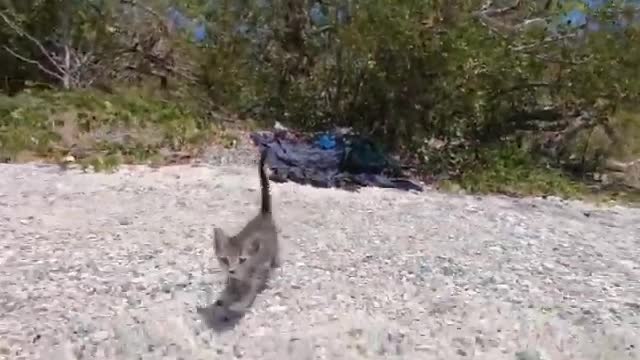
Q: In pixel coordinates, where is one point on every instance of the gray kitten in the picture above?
(246, 256)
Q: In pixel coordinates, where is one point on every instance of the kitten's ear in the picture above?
(219, 239)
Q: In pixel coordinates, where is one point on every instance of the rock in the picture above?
(166, 288)
(100, 336)
(548, 266)
(528, 355)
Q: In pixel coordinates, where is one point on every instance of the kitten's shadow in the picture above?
(218, 318)
(221, 318)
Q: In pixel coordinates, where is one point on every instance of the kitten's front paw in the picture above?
(275, 262)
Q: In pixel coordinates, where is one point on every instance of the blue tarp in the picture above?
(330, 160)
(180, 21)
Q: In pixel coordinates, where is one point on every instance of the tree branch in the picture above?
(519, 87)
(486, 14)
(21, 32)
(147, 9)
(546, 41)
(33, 62)
(487, 9)
(562, 61)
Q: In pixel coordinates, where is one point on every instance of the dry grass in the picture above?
(102, 130)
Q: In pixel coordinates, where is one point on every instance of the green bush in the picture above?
(410, 72)
(450, 88)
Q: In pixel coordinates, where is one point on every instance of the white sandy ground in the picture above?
(112, 266)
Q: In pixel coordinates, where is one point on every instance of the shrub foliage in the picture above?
(445, 83)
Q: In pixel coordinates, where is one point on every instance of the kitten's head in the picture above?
(232, 257)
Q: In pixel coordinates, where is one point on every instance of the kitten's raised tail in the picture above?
(264, 184)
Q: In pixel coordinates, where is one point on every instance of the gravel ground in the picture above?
(99, 266)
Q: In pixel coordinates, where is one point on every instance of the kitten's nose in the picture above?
(232, 271)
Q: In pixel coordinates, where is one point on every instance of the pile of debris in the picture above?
(331, 159)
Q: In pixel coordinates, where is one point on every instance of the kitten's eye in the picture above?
(242, 259)
(224, 260)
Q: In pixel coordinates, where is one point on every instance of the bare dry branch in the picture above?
(487, 13)
(487, 9)
(544, 42)
(33, 62)
(519, 87)
(488, 17)
(146, 8)
(35, 41)
(70, 65)
(620, 166)
(555, 60)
